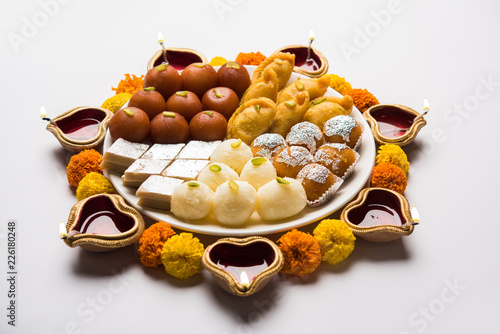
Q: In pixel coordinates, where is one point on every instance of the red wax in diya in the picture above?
(82, 125)
(392, 121)
(379, 208)
(178, 59)
(100, 216)
(313, 63)
(252, 258)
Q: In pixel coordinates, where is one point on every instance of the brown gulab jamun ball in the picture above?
(169, 127)
(235, 76)
(208, 125)
(165, 79)
(185, 103)
(221, 99)
(149, 101)
(129, 123)
(198, 78)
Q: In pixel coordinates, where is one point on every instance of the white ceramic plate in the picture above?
(256, 225)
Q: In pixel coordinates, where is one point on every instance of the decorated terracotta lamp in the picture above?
(79, 128)
(380, 214)
(395, 124)
(178, 58)
(102, 223)
(308, 61)
(243, 266)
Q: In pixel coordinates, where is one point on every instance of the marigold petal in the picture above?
(335, 239)
(301, 252)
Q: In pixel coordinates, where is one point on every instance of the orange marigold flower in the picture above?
(389, 176)
(81, 164)
(151, 243)
(251, 58)
(130, 84)
(362, 98)
(301, 252)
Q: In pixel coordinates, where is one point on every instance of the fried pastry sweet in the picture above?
(266, 86)
(280, 62)
(315, 88)
(323, 108)
(251, 119)
(289, 113)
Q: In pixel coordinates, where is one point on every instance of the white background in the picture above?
(446, 51)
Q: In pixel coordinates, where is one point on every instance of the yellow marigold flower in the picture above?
(338, 83)
(393, 154)
(362, 98)
(301, 252)
(181, 255)
(115, 102)
(335, 239)
(218, 61)
(81, 164)
(389, 176)
(130, 84)
(92, 184)
(151, 243)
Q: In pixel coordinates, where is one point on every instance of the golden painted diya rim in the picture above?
(322, 70)
(380, 233)
(158, 54)
(401, 140)
(228, 282)
(104, 242)
(73, 145)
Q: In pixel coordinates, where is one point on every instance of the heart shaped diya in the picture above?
(178, 58)
(243, 266)
(393, 123)
(379, 214)
(313, 66)
(102, 223)
(80, 128)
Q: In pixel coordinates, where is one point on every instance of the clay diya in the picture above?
(80, 128)
(313, 66)
(178, 58)
(379, 214)
(103, 223)
(393, 123)
(243, 266)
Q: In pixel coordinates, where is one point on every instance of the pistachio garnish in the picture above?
(193, 184)
(233, 185)
(236, 144)
(278, 61)
(299, 85)
(282, 180)
(256, 107)
(161, 67)
(232, 64)
(200, 65)
(318, 101)
(209, 113)
(258, 161)
(215, 168)
(128, 112)
(218, 93)
(149, 89)
(168, 114)
(181, 93)
(290, 103)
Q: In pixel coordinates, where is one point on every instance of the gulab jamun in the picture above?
(148, 100)
(235, 76)
(129, 123)
(169, 128)
(165, 79)
(198, 78)
(221, 99)
(185, 103)
(208, 125)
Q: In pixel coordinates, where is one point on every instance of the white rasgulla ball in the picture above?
(232, 152)
(216, 174)
(191, 200)
(278, 200)
(234, 206)
(258, 171)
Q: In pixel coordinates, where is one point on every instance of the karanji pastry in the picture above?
(266, 86)
(289, 113)
(315, 88)
(323, 108)
(281, 63)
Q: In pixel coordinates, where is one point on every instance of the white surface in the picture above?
(446, 51)
(256, 225)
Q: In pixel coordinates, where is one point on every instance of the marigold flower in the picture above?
(130, 84)
(92, 184)
(335, 239)
(338, 83)
(181, 255)
(151, 243)
(251, 58)
(218, 61)
(301, 252)
(389, 176)
(115, 102)
(362, 98)
(393, 154)
(81, 164)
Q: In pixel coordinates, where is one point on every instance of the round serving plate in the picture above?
(256, 225)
